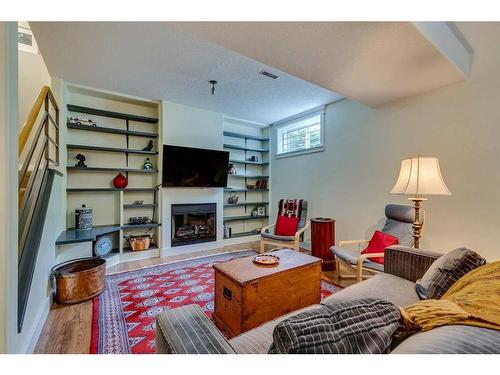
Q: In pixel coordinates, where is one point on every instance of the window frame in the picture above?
(290, 122)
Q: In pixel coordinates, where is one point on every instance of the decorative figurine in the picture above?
(149, 147)
(81, 161)
(82, 120)
(120, 181)
(233, 198)
(232, 169)
(148, 166)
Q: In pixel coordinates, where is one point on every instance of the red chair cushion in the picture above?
(286, 226)
(378, 243)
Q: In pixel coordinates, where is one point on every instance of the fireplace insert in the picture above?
(193, 223)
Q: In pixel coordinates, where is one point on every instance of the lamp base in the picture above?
(417, 224)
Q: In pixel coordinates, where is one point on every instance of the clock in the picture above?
(102, 246)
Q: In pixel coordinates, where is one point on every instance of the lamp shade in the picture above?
(420, 176)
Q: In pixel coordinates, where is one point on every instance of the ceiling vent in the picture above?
(269, 75)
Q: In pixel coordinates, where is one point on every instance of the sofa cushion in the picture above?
(351, 256)
(394, 289)
(187, 330)
(363, 326)
(258, 340)
(446, 270)
(273, 236)
(453, 339)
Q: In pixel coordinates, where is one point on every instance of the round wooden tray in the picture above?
(266, 259)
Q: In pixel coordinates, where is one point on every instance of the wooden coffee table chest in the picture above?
(248, 294)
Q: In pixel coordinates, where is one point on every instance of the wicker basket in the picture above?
(139, 243)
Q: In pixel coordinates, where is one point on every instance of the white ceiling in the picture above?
(153, 61)
(372, 62)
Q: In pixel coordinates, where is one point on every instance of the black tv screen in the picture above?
(194, 167)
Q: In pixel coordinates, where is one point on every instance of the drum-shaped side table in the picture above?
(322, 238)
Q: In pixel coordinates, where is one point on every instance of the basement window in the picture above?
(300, 136)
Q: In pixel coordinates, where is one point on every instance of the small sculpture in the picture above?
(148, 166)
(233, 198)
(81, 161)
(232, 169)
(149, 147)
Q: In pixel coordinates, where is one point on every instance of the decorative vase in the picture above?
(120, 181)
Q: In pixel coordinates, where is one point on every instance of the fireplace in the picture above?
(193, 223)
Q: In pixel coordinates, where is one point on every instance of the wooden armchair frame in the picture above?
(294, 244)
(358, 267)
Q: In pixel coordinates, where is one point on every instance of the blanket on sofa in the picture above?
(473, 300)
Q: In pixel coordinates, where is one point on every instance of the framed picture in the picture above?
(25, 40)
(261, 211)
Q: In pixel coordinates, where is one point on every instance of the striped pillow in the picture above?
(446, 270)
(350, 327)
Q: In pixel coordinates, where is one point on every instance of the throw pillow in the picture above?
(378, 243)
(361, 326)
(446, 270)
(286, 226)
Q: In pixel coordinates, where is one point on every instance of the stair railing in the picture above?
(38, 151)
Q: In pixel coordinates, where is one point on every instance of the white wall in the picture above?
(191, 127)
(33, 75)
(351, 179)
(8, 180)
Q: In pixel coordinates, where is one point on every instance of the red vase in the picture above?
(120, 181)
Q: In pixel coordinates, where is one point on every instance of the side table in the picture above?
(322, 238)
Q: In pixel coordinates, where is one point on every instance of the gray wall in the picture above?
(351, 179)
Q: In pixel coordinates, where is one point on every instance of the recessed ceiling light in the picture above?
(268, 74)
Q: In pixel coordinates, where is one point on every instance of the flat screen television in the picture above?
(194, 167)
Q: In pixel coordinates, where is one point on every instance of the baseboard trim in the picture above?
(41, 319)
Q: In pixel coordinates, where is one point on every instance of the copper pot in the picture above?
(79, 280)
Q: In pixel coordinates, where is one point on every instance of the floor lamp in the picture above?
(418, 177)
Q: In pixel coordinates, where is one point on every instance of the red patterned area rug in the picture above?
(124, 314)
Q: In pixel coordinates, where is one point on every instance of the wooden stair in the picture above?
(23, 185)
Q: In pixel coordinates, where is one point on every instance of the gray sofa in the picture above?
(187, 330)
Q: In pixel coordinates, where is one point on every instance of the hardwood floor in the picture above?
(68, 328)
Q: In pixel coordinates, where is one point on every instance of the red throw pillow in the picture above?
(286, 226)
(378, 243)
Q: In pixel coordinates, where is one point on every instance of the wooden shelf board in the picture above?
(248, 162)
(246, 217)
(105, 113)
(243, 234)
(247, 190)
(132, 226)
(246, 204)
(245, 136)
(129, 249)
(110, 149)
(112, 130)
(146, 205)
(80, 190)
(244, 148)
(246, 176)
(113, 169)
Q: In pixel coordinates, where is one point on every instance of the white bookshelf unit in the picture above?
(245, 140)
(125, 125)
